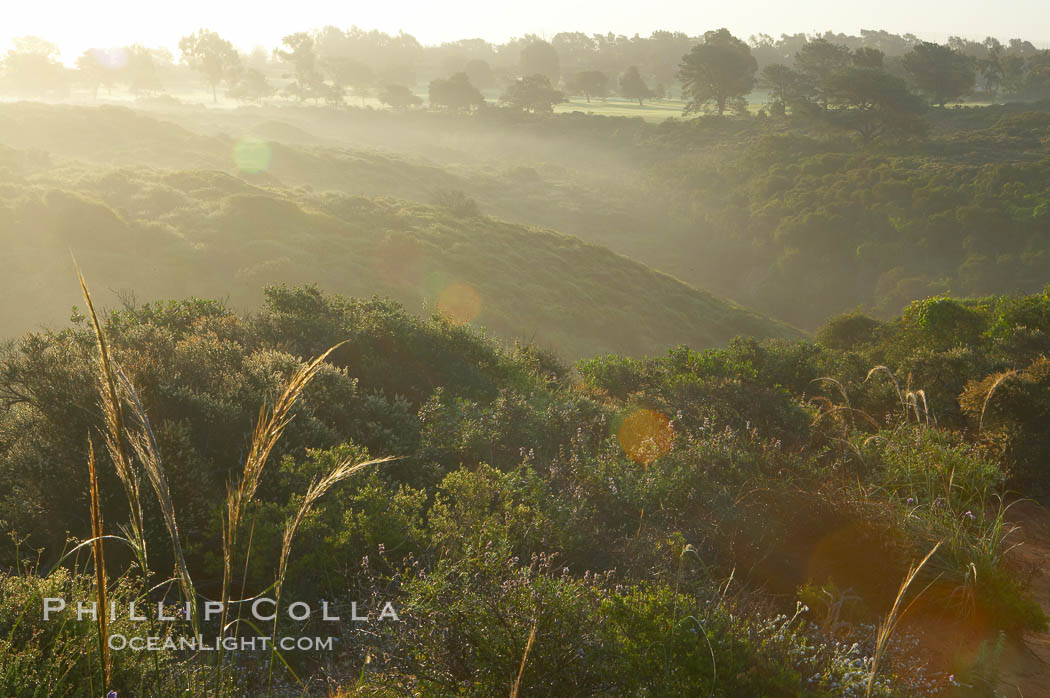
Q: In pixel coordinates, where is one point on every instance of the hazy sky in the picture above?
(76, 25)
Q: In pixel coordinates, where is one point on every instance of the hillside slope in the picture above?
(160, 233)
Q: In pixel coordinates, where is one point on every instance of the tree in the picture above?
(589, 83)
(480, 74)
(532, 93)
(211, 56)
(941, 72)
(539, 57)
(399, 97)
(632, 86)
(140, 71)
(350, 72)
(786, 86)
(867, 57)
(1037, 84)
(456, 93)
(819, 61)
(718, 71)
(875, 104)
(576, 51)
(32, 67)
(252, 87)
(308, 82)
(100, 67)
(991, 67)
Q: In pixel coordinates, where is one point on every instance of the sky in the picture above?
(76, 25)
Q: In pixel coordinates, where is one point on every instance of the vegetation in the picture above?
(622, 518)
(720, 71)
(222, 235)
(450, 364)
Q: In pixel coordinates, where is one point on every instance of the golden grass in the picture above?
(991, 391)
(893, 618)
(119, 400)
(524, 658)
(100, 567)
(269, 427)
(113, 413)
(144, 444)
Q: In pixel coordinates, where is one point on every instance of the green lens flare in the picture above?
(251, 155)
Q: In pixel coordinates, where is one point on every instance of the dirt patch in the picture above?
(1025, 668)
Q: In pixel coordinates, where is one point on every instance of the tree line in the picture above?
(864, 83)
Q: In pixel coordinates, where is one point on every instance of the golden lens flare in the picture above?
(251, 155)
(645, 435)
(459, 302)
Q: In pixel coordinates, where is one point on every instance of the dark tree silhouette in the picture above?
(456, 93)
(532, 93)
(941, 72)
(717, 71)
(589, 83)
(632, 86)
(539, 57)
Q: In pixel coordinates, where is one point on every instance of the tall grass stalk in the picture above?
(121, 404)
(988, 398)
(113, 414)
(317, 489)
(269, 427)
(889, 625)
(116, 429)
(144, 443)
(516, 687)
(100, 568)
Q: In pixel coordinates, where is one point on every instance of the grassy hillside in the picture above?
(158, 232)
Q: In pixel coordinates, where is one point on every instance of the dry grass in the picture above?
(144, 444)
(318, 488)
(100, 567)
(119, 401)
(269, 427)
(889, 625)
(113, 413)
(988, 397)
(524, 658)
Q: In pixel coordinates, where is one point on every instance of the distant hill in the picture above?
(155, 233)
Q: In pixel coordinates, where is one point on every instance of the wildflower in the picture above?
(911, 500)
(969, 515)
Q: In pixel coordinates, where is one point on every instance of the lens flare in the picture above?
(110, 58)
(460, 302)
(251, 155)
(645, 435)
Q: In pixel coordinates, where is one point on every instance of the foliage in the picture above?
(212, 56)
(941, 72)
(532, 93)
(719, 71)
(455, 93)
(520, 508)
(589, 83)
(399, 97)
(632, 86)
